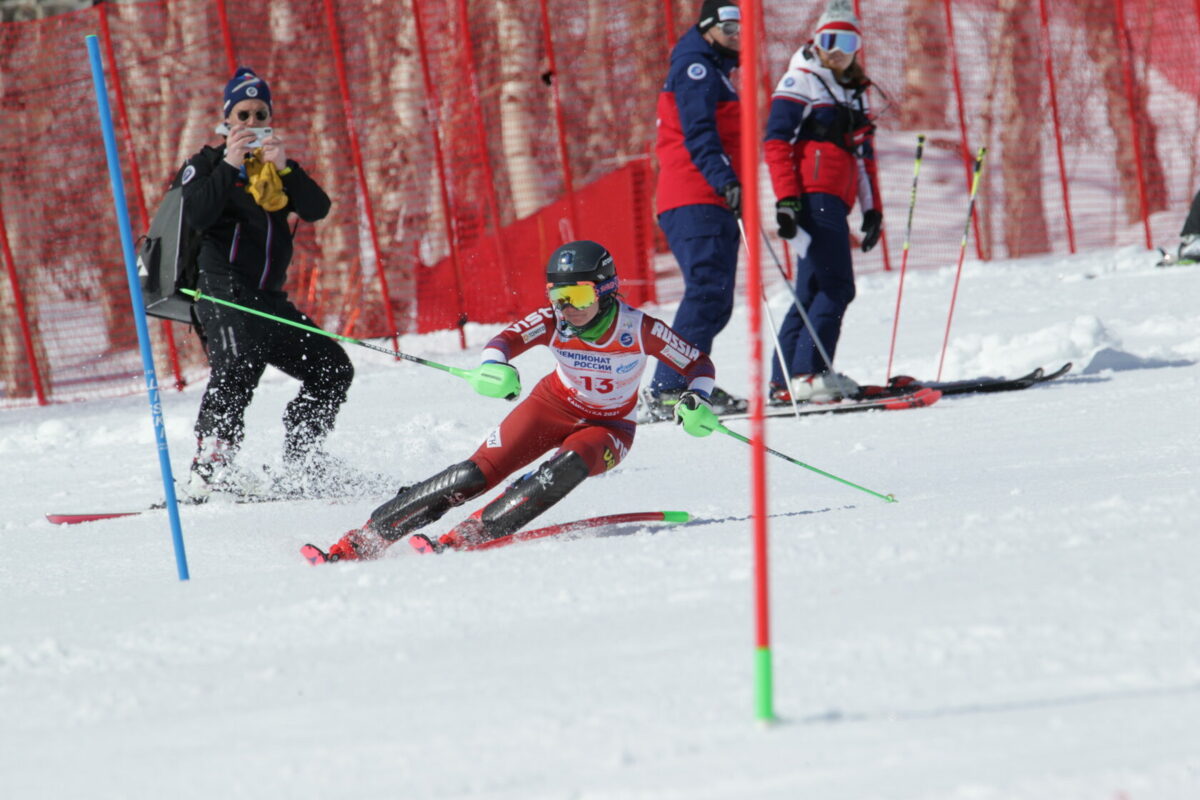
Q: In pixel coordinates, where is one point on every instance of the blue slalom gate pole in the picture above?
(135, 295)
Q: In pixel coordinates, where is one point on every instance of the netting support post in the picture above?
(481, 143)
(19, 301)
(669, 24)
(559, 119)
(434, 109)
(226, 37)
(965, 150)
(368, 210)
(1052, 83)
(135, 176)
(1125, 53)
(885, 250)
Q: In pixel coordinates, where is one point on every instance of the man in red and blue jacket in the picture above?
(699, 192)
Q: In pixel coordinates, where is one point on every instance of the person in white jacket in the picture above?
(820, 154)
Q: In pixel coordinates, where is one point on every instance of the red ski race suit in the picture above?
(588, 403)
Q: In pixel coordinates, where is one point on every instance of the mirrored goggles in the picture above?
(845, 41)
(577, 295)
(730, 27)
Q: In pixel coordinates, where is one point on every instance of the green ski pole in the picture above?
(490, 380)
(702, 422)
(891, 498)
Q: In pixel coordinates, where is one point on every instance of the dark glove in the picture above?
(732, 192)
(871, 227)
(694, 412)
(786, 212)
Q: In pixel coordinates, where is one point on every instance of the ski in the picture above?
(60, 518)
(920, 397)
(423, 544)
(77, 519)
(982, 385)
(95, 516)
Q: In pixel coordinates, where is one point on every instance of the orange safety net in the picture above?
(462, 140)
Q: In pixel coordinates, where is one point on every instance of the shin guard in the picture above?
(422, 503)
(532, 494)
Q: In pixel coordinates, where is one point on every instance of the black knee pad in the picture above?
(424, 502)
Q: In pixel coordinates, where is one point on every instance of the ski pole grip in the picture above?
(495, 380)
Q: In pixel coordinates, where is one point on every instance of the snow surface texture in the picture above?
(1022, 624)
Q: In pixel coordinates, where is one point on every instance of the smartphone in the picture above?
(260, 134)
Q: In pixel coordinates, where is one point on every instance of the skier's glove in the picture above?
(695, 414)
(732, 192)
(786, 212)
(496, 379)
(871, 226)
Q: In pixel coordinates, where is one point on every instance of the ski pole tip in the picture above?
(891, 498)
(676, 516)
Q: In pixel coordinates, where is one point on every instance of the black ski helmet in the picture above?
(583, 261)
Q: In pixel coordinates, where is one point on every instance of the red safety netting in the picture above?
(462, 140)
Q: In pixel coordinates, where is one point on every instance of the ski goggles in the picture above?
(730, 28)
(577, 295)
(845, 41)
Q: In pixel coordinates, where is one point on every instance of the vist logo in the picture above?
(532, 320)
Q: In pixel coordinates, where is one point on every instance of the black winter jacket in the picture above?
(242, 239)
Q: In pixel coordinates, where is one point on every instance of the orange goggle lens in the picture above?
(578, 295)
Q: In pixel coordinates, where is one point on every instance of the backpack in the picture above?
(167, 257)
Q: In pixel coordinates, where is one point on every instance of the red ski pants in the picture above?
(542, 421)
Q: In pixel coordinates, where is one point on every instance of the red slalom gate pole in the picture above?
(912, 204)
(748, 94)
(962, 252)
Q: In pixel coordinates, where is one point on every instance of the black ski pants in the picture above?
(241, 345)
(1191, 225)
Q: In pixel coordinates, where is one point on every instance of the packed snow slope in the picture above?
(1021, 625)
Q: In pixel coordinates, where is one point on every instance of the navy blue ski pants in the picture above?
(824, 284)
(704, 239)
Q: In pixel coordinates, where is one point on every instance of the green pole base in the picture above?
(763, 686)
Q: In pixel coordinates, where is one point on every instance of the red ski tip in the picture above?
(423, 544)
(313, 554)
(77, 519)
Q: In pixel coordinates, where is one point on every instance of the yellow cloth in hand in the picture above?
(264, 184)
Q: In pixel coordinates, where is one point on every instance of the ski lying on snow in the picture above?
(981, 385)
(77, 519)
(916, 398)
(423, 544)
